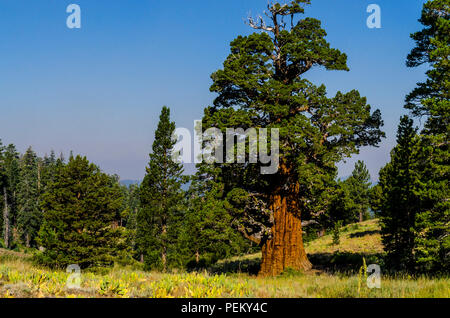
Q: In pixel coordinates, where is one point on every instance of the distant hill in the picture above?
(129, 182)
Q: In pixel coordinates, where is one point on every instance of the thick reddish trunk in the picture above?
(285, 249)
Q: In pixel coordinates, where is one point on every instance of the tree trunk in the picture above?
(361, 217)
(285, 249)
(321, 233)
(27, 240)
(6, 220)
(164, 248)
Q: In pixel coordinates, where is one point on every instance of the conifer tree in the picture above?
(207, 234)
(29, 216)
(431, 99)
(12, 175)
(359, 184)
(161, 196)
(79, 211)
(3, 201)
(263, 85)
(399, 203)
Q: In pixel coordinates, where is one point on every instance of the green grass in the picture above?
(231, 278)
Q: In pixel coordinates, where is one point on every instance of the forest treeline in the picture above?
(70, 207)
(71, 212)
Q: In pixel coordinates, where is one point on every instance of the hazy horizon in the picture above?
(99, 90)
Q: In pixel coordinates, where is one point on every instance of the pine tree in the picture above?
(399, 203)
(29, 215)
(3, 201)
(129, 214)
(359, 184)
(262, 85)
(207, 234)
(79, 210)
(160, 196)
(431, 99)
(351, 201)
(12, 171)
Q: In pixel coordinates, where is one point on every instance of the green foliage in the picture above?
(414, 212)
(337, 232)
(29, 215)
(431, 98)
(79, 225)
(262, 84)
(9, 180)
(161, 199)
(351, 199)
(415, 202)
(399, 203)
(207, 234)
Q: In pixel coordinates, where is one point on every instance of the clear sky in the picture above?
(99, 90)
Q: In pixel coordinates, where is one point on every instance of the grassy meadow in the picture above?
(336, 273)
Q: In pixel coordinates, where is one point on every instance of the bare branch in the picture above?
(259, 24)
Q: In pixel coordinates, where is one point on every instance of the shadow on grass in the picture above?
(365, 233)
(246, 266)
(342, 262)
(333, 263)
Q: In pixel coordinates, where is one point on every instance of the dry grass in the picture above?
(19, 278)
(359, 238)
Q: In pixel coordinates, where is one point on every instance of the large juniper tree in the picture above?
(79, 210)
(160, 196)
(263, 85)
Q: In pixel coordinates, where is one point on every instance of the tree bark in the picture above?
(285, 249)
(164, 249)
(361, 219)
(6, 220)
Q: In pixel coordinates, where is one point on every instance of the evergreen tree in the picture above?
(399, 203)
(3, 201)
(160, 196)
(207, 234)
(431, 99)
(359, 184)
(351, 201)
(29, 216)
(12, 178)
(376, 195)
(262, 85)
(79, 210)
(130, 211)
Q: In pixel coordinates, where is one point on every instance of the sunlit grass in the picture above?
(19, 278)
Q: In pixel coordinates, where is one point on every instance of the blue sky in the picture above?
(99, 90)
